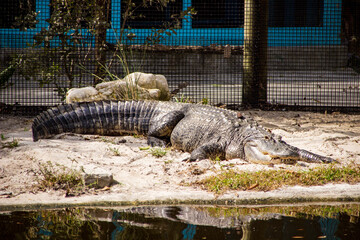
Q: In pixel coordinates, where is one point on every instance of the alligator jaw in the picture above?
(268, 151)
(254, 155)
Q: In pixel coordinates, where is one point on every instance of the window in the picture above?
(150, 15)
(11, 11)
(218, 14)
(296, 13)
(282, 13)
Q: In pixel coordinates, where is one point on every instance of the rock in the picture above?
(162, 85)
(77, 94)
(97, 177)
(144, 80)
(136, 85)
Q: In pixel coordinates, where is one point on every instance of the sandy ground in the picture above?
(143, 178)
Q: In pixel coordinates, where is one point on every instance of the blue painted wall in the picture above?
(327, 34)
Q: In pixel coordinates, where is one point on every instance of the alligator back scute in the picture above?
(79, 117)
(87, 123)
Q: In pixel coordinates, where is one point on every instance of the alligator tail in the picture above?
(103, 118)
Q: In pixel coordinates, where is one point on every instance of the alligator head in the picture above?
(261, 147)
(269, 150)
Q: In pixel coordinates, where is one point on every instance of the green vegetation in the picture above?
(216, 159)
(182, 99)
(3, 137)
(107, 140)
(13, 144)
(157, 152)
(205, 101)
(273, 179)
(115, 151)
(136, 135)
(60, 177)
(144, 148)
(6, 74)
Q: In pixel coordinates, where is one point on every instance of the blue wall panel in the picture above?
(328, 34)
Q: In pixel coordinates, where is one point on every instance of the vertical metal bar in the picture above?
(255, 52)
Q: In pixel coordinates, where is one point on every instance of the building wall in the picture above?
(286, 35)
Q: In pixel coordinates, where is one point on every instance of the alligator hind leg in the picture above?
(160, 129)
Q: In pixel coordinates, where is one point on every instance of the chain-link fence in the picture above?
(276, 53)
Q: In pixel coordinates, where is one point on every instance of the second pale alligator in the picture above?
(203, 130)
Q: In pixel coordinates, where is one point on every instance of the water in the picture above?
(185, 222)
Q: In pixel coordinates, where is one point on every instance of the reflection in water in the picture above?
(189, 232)
(329, 227)
(43, 226)
(118, 228)
(184, 222)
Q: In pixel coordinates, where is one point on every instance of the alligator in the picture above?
(203, 130)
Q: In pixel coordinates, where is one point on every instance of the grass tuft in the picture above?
(3, 138)
(57, 177)
(157, 152)
(115, 151)
(13, 144)
(274, 179)
(182, 99)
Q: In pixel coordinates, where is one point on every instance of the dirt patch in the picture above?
(143, 177)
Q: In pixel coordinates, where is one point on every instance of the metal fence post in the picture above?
(254, 91)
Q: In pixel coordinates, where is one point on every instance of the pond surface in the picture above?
(185, 222)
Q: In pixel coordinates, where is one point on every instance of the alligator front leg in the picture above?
(158, 141)
(211, 150)
(161, 128)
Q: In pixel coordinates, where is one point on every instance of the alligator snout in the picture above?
(266, 151)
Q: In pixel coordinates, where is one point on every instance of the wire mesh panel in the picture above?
(187, 47)
(292, 53)
(308, 62)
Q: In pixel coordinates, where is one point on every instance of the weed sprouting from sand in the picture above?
(3, 137)
(115, 151)
(157, 152)
(168, 161)
(57, 177)
(107, 140)
(12, 144)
